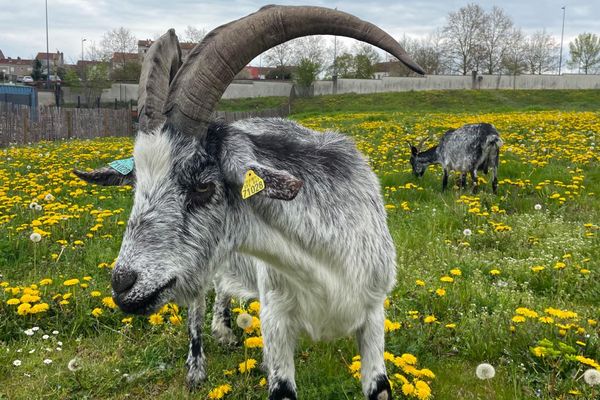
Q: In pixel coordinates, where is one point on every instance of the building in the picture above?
(144, 45)
(1, 55)
(119, 59)
(389, 68)
(57, 60)
(15, 67)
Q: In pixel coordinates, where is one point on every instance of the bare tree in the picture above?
(312, 48)
(541, 52)
(119, 40)
(463, 33)
(193, 34)
(514, 60)
(427, 52)
(585, 52)
(94, 53)
(364, 49)
(496, 30)
(280, 56)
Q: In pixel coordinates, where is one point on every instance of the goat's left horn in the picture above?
(212, 64)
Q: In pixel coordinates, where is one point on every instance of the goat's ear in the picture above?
(107, 176)
(413, 150)
(279, 184)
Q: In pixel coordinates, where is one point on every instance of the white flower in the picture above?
(49, 197)
(59, 343)
(244, 320)
(467, 232)
(55, 332)
(59, 349)
(45, 337)
(537, 207)
(74, 365)
(19, 350)
(47, 361)
(32, 205)
(592, 377)
(31, 351)
(35, 237)
(35, 328)
(485, 371)
(17, 363)
(38, 207)
(29, 332)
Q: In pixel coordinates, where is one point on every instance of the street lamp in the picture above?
(47, 51)
(562, 34)
(82, 40)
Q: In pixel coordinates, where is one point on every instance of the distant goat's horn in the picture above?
(212, 65)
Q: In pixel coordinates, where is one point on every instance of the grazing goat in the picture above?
(469, 148)
(263, 208)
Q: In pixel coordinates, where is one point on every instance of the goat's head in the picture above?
(419, 164)
(188, 177)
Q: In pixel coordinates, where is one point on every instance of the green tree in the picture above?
(130, 71)
(36, 72)
(71, 79)
(344, 66)
(306, 72)
(363, 67)
(585, 52)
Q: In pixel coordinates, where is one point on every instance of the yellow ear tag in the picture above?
(252, 184)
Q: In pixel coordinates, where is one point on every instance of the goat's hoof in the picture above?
(196, 374)
(225, 337)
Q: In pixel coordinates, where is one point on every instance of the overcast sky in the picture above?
(23, 34)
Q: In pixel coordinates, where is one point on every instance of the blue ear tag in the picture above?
(124, 166)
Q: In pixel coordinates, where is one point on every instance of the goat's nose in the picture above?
(123, 280)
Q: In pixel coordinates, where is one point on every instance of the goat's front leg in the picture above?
(475, 181)
(371, 341)
(495, 179)
(463, 180)
(221, 320)
(196, 361)
(445, 180)
(279, 338)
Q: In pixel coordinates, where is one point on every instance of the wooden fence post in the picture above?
(25, 116)
(69, 116)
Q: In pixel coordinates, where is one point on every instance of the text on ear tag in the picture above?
(252, 184)
(123, 166)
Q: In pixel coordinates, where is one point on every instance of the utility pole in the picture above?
(47, 51)
(562, 34)
(82, 63)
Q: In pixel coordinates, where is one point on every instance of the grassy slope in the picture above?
(157, 356)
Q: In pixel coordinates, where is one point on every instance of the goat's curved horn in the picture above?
(212, 65)
(161, 63)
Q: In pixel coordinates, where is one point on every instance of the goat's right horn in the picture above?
(161, 63)
(212, 65)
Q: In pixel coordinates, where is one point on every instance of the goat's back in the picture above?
(468, 147)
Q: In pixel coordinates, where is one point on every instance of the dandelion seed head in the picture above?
(35, 237)
(244, 320)
(467, 232)
(29, 332)
(537, 207)
(74, 365)
(485, 371)
(592, 377)
(47, 361)
(17, 363)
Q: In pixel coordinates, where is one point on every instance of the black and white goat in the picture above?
(468, 149)
(313, 245)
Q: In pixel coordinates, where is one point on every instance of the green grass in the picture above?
(144, 361)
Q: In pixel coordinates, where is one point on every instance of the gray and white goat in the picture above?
(313, 246)
(468, 149)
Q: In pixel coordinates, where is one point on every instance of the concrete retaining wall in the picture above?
(442, 82)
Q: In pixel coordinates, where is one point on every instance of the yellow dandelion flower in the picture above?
(13, 302)
(175, 320)
(253, 342)
(23, 308)
(95, 293)
(495, 272)
(430, 319)
(96, 312)
(71, 282)
(419, 282)
(455, 272)
(247, 365)
(45, 282)
(109, 302)
(156, 319)
(440, 292)
(447, 279)
(219, 392)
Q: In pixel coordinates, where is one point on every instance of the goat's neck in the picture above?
(429, 156)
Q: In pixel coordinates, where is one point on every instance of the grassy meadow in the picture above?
(511, 279)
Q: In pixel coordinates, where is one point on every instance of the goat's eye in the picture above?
(201, 193)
